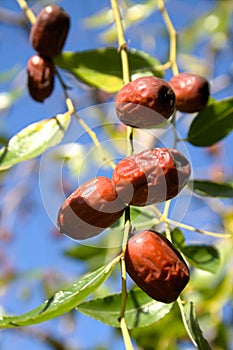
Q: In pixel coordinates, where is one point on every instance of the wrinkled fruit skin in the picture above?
(90, 209)
(40, 77)
(192, 92)
(151, 176)
(49, 32)
(145, 102)
(156, 266)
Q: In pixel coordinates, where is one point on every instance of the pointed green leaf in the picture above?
(212, 189)
(62, 301)
(33, 140)
(141, 310)
(212, 124)
(102, 67)
(204, 257)
(194, 329)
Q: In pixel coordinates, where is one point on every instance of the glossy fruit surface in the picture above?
(90, 209)
(151, 176)
(49, 32)
(192, 92)
(145, 102)
(40, 77)
(156, 266)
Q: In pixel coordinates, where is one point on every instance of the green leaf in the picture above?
(141, 310)
(33, 140)
(212, 124)
(102, 68)
(62, 301)
(194, 329)
(212, 189)
(178, 238)
(204, 257)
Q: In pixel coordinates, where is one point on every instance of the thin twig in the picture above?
(122, 321)
(28, 12)
(91, 133)
(124, 61)
(161, 218)
(126, 79)
(173, 36)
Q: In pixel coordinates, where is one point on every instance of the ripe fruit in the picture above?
(145, 102)
(90, 209)
(49, 32)
(156, 266)
(192, 92)
(151, 176)
(40, 77)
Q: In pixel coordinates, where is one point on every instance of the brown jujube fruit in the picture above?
(151, 176)
(40, 77)
(192, 92)
(90, 209)
(145, 102)
(156, 266)
(49, 32)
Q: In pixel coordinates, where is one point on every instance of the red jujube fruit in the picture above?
(151, 176)
(145, 102)
(156, 266)
(40, 72)
(49, 32)
(192, 92)
(90, 209)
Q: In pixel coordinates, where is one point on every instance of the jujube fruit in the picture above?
(145, 102)
(151, 176)
(192, 92)
(156, 266)
(49, 32)
(40, 73)
(90, 209)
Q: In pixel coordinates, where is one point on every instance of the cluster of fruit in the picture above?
(48, 35)
(146, 178)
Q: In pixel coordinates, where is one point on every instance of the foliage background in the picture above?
(33, 263)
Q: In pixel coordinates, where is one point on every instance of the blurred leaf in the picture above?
(208, 25)
(194, 328)
(178, 238)
(228, 221)
(33, 140)
(84, 252)
(99, 19)
(204, 257)
(212, 124)
(8, 98)
(3, 140)
(62, 301)
(73, 155)
(101, 68)
(212, 189)
(155, 336)
(131, 13)
(9, 74)
(141, 310)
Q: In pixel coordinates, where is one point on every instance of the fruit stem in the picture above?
(173, 36)
(122, 321)
(28, 12)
